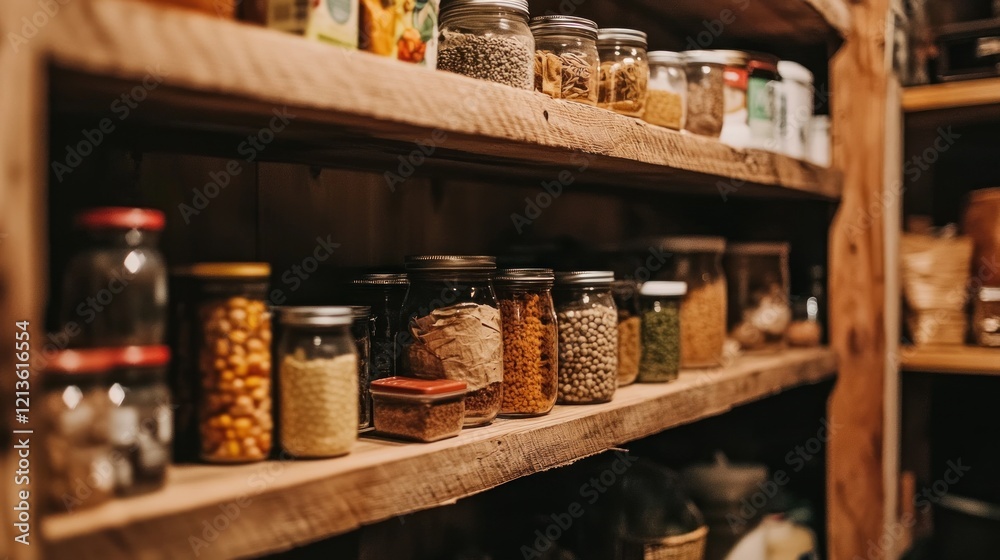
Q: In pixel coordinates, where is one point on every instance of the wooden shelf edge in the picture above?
(971, 360)
(272, 506)
(951, 95)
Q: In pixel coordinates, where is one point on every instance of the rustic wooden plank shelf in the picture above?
(953, 95)
(276, 505)
(972, 360)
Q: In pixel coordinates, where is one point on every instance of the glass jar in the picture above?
(624, 74)
(141, 420)
(566, 61)
(588, 337)
(705, 101)
(488, 40)
(795, 108)
(530, 341)
(666, 100)
(626, 295)
(184, 373)
(763, 84)
(760, 309)
(361, 327)
(660, 303)
(75, 410)
(735, 78)
(318, 376)
(234, 361)
(384, 294)
(451, 329)
(419, 409)
(986, 317)
(697, 261)
(115, 288)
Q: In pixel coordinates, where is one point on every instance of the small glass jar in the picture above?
(697, 261)
(566, 61)
(234, 361)
(705, 100)
(660, 302)
(736, 77)
(141, 421)
(419, 409)
(666, 100)
(762, 101)
(530, 341)
(626, 294)
(318, 376)
(361, 327)
(588, 337)
(451, 329)
(624, 75)
(986, 317)
(75, 409)
(383, 293)
(115, 288)
(760, 309)
(488, 40)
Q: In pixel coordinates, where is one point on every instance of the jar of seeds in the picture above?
(488, 40)
(626, 294)
(566, 61)
(588, 337)
(705, 100)
(666, 99)
(661, 330)
(624, 73)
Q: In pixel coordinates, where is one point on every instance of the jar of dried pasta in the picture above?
(624, 74)
(705, 100)
(666, 100)
(566, 61)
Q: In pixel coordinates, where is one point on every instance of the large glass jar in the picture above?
(451, 329)
(705, 101)
(986, 317)
(588, 337)
(115, 288)
(141, 421)
(660, 303)
(624, 74)
(566, 61)
(626, 294)
(318, 376)
(760, 309)
(666, 100)
(697, 261)
(361, 327)
(383, 293)
(75, 410)
(530, 341)
(488, 40)
(234, 361)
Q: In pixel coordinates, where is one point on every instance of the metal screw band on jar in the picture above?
(451, 262)
(621, 35)
(541, 277)
(586, 277)
(457, 6)
(381, 279)
(558, 24)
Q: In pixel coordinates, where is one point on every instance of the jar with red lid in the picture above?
(419, 409)
(115, 288)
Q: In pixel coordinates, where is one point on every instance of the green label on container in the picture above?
(761, 107)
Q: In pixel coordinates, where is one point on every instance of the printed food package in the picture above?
(403, 29)
(334, 21)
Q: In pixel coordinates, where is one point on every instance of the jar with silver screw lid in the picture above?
(624, 72)
(566, 60)
(489, 40)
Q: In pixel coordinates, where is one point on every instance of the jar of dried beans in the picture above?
(530, 341)
(588, 337)
(624, 74)
(705, 100)
(697, 261)
(234, 361)
(318, 376)
(451, 329)
(661, 330)
(488, 40)
(626, 294)
(566, 61)
(666, 99)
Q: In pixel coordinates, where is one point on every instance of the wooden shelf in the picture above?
(973, 360)
(277, 505)
(225, 80)
(952, 95)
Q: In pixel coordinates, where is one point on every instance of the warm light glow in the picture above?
(134, 260)
(72, 396)
(117, 394)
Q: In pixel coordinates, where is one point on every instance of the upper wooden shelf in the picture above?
(225, 80)
(973, 360)
(278, 505)
(952, 95)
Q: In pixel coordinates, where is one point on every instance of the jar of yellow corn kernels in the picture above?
(234, 361)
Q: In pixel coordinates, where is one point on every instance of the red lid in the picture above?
(143, 356)
(101, 360)
(121, 218)
(411, 386)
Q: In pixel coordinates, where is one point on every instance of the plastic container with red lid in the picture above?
(418, 409)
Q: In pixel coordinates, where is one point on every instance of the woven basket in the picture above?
(935, 275)
(689, 546)
(937, 326)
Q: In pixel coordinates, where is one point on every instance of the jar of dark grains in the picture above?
(588, 337)
(488, 40)
(566, 60)
(361, 328)
(115, 288)
(530, 341)
(626, 294)
(705, 101)
(661, 330)
(451, 329)
(624, 73)
(383, 293)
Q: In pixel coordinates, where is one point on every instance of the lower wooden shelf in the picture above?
(974, 360)
(236, 511)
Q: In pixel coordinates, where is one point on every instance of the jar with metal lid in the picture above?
(735, 78)
(141, 419)
(705, 101)
(666, 100)
(115, 288)
(383, 293)
(588, 337)
(760, 309)
(624, 72)
(530, 341)
(75, 409)
(318, 377)
(234, 360)
(986, 317)
(626, 294)
(795, 108)
(566, 61)
(361, 328)
(762, 101)
(451, 329)
(660, 303)
(488, 40)
(697, 261)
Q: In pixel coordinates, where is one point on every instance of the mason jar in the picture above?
(666, 99)
(361, 327)
(530, 341)
(451, 329)
(660, 302)
(588, 337)
(318, 377)
(488, 40)
(736, 78)
(624, 73)
(705, 100)
(697, 261)
(566, 60)
(626, 294)
(383, 293)
(760, 309)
